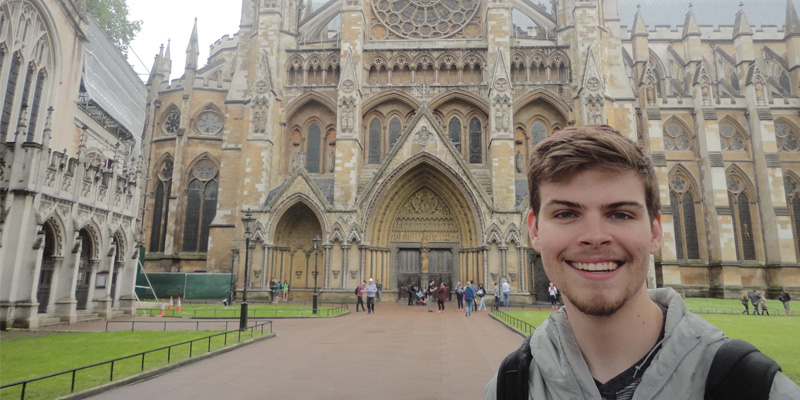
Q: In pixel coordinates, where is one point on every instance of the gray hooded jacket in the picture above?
(678, 371)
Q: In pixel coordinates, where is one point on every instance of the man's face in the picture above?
(595, 237)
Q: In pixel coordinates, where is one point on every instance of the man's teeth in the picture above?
(606, 266)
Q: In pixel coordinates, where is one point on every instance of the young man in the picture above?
(371, 291)
(595, 221)
(360, 295)
(786, 299)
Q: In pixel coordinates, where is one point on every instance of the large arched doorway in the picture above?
(294, 256)
(118, 264)
(48, 266)
(84, 269)
(426, 222)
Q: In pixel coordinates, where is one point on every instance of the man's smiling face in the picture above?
(595, 237)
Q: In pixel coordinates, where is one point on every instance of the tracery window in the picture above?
(739, 202)
(787, 137)
(395, 129)
(783, 80)
(676, 138)
(454, 131)
(209, 123)
(684, 218)
(201, 205)
(731, 139)
(8, 102)
(538, 133)
(158, 231)
(313, 148)
(172, 122)
(793, 201)
(424, 19)
(37, 101)
(475, 141)
(735, 80)
(375, 133)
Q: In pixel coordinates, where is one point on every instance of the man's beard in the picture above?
(599, 307)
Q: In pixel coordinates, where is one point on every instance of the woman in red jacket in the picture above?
(441, 294)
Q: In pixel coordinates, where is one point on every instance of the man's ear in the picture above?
(533, 232)
(657, 234)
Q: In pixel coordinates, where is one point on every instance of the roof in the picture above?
(706, 12)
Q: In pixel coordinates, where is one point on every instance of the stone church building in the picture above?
(398, 131)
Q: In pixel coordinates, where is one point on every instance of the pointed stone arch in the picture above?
(286, 204)
(307, 97)
(457, 94)
(394, 94)
(544, 95)
(495, 235)
(686, 130)
(513, 235)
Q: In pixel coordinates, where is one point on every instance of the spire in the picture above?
(166, 62)
(156, 65)
(741, 26)
(639, 28)
(309, 9)
(690, 27)
(792, 22)
(193, 50)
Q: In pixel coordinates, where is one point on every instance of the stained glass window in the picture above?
(787, 137)
(313, 148)
(676, 138)
(690, 223)
(37, 97)
(395, 129)
(792, 189)
(475, 141)
(735, 80)
(684, 218)
(538, 133)
(742, 225)
(731, 139)
(677, 224)
(201, 206)
(784, 82)
(8, 103)
(374, 142)
(161, 207)
(454, 131)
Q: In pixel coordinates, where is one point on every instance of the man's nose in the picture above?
(594, 231)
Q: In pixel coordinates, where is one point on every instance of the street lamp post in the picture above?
(249, 222)
(316, 241)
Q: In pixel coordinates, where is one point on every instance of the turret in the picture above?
(192, 50)
(792, 38)
(691, 38)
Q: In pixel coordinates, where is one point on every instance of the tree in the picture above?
(112, 15)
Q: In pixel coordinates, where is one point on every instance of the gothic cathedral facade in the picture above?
(398, 131)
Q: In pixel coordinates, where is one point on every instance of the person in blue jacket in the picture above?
(469, 298)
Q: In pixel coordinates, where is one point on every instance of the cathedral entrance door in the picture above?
(440, 267)
(540, 282)
(409, 269)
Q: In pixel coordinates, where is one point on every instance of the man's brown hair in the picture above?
(577, 149)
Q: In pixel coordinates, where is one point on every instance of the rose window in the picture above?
(209, 123)
(787, 140)
(172, 122)
(730, 138)
(425, 19)
(675, 138)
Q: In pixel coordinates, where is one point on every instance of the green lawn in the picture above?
(774, 336)
(30, 357)
(254, 310)
(701, 305)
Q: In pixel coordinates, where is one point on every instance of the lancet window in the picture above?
(684, 217)
(792, 188)
(201, 205)
(158, 231)
(739, 202)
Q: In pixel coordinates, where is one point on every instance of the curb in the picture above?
(158, 371)
(507, 326)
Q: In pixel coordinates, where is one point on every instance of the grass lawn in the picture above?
(697, 304)
(254, 310)
(774, 336)
(30, 357)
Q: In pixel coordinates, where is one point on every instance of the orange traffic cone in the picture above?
(179, 303)
(162, 308)
(170, 303)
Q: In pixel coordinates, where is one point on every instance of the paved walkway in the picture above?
(400, 352)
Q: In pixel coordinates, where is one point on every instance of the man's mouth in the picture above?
(596, 267)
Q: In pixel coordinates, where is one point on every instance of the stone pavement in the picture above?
(400, 352)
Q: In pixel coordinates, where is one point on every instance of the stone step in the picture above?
(49, 321)
(87, 317)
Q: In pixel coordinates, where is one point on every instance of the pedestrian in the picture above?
(745, 302)
(460, 296)
(276, 292)
(763, 302)
(441, 295)
(474, 299)
(412, 293)
(429, 295)
(755, 299)
(380, 290)
(272, 289)
(360, 295)
(372, 291)
(469, 298)
(786, 299)
(286, 291)
(595, 220)
(496, 297)
(506, 289)
(553, 295)
(482, 296)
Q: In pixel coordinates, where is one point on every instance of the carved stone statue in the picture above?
(706, 93)
(298, 160)
(331, 160)
(759, 94)
(519, 161)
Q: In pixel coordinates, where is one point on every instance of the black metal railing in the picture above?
(513, 322)
(191, 343)
(774, 311)
(207, 325)
(233, 312)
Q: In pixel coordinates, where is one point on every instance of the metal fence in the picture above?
(513, 322)
(162, 325)
(233, 312)
(191, 343)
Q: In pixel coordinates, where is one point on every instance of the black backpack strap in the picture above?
(740, 371)
(512, 377)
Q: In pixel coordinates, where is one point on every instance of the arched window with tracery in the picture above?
(731, 138)
(375, 133)
(787, 136)
(475, 141)
(739, 202)
(454, 131)
(158, 229)
(792, 188)
(676, 137)
(395, 129)
(201, 205)
(313, 148)
(784, 81)
(538, 133)
(684, 217)
(10, 92)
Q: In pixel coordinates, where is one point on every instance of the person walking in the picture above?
(553, 295)
(412, 292)
(372, 291)
(469, 297)
(430, 294)
(360, 296)
(482, 296)
(506, 288)
(763, 303)
(786, 299)
(496, 297)
(460, 296)
(286, 291)
(755, 300)
(380, 290)
(745, 302)
(441, 295)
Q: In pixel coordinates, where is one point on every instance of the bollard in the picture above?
(170, 302)
(179, 303)
(162, 309)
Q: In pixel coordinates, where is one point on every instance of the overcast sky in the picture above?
(173, 19)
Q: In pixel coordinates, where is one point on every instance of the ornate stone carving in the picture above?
(298, 160)
(353, 273)
(425, 19)
(335, 274)
(519, 161)
(501, 85)
(422, 136)
(347, 106)
(425, 215)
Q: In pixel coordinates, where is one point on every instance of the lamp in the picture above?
(316, 242)
(249, 222)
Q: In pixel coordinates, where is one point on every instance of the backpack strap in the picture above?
(512, 377)
(740, 371)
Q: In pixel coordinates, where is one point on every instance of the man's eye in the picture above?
(564, 215)
(621, 215)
